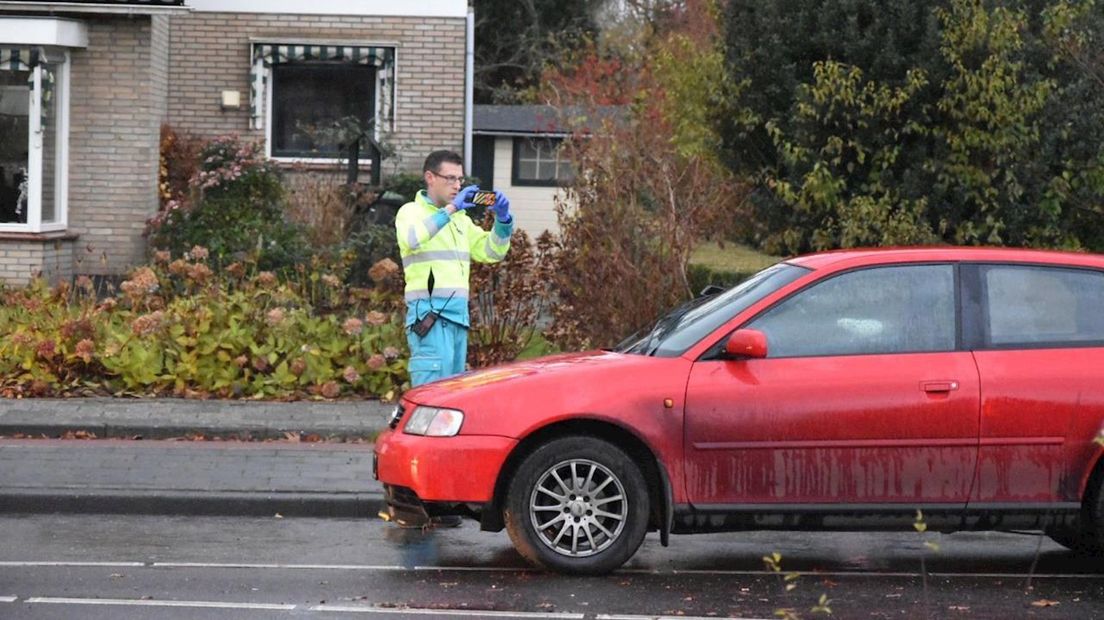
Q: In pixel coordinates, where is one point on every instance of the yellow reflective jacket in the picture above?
(431, 242)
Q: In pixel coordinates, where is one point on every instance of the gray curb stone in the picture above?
(184, 503)
(169, 418)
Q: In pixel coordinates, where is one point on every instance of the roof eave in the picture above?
(103, 9)
(521, 134)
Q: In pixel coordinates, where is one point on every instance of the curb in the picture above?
(192, 503)
(241, 433)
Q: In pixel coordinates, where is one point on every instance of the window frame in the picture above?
(36, 151)
(957, 284)
(976, 325)
(515, 165)
(378, 130)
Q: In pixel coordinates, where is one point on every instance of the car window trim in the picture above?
(978, 338)
(714, 351)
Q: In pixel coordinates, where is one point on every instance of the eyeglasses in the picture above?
(448, 179)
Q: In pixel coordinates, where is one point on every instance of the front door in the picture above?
(863, 399)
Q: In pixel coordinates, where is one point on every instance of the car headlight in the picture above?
(434, 422)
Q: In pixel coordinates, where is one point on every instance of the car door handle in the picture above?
(936, 387)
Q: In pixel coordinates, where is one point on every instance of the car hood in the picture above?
(514, 399)
(532, 378)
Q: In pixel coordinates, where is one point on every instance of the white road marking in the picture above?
(491, 569)
(350, 567)
(76, 564)
(359, 609)
(156, 603)
(8, 599)
(468, 613)
(364, 567)
(632, 617)
(856, 573)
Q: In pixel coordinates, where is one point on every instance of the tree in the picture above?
(516, 39)
(959, 130)
(648, 184)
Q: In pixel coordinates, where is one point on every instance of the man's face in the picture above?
(443, 184)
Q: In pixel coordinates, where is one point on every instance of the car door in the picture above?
(1040, 350)
(862, 399)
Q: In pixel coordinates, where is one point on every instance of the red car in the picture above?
(843, 390)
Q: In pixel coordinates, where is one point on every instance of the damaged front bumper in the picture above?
(428, 477)
(406, 509)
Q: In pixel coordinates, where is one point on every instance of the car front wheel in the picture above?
(577, 505)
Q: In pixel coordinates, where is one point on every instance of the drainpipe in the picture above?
(469, 88)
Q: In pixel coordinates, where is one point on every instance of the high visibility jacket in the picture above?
(431, 242)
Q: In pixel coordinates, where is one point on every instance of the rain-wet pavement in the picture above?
(105, 566)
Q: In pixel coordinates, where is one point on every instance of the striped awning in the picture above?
(27, 59)
(266, 55)
(18, 59)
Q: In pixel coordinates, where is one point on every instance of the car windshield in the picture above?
(682, 327)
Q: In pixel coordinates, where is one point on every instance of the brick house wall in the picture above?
(117, 105)
(139, 71)
(21, 260)
(211, 53)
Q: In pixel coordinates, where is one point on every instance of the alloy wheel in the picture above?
(578, 507)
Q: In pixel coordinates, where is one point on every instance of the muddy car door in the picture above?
(864, 398)
(1039, 344)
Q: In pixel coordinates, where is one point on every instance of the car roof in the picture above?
(877, 256)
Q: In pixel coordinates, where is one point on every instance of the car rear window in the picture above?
(1032, 305)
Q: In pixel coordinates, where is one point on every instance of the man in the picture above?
(437, 241)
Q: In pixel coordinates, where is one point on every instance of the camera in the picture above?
(483, 198)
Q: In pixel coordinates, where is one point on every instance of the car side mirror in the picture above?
(746, 344)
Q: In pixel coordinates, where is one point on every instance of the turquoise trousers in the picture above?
(440, 353)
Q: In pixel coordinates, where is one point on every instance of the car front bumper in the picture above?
(460, 469)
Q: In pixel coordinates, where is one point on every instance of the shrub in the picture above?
(508, 299)
(320, 202)
(647, 186)
(179, 328)
(701, 276)
(236, 209)
(367, 247)
(405, 184)
(180, 156)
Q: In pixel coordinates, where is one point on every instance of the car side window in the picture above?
(1029, 305)
(881, 310)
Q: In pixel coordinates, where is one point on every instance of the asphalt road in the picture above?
(108, 566)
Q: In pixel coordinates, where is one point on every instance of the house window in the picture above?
(299, 92)
(308, 99)
(538, 161)
(33, 139)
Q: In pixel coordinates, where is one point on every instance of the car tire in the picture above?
(1078, 541)
(1087, 538)
(577, 505)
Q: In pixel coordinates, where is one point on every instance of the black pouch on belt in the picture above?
(423, 325)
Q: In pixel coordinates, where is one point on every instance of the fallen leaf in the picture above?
(1044, 603)
(279, 516)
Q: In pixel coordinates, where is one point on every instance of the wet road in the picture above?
(94, 566)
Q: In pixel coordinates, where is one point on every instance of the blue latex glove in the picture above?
(463, 198)
(501, 207)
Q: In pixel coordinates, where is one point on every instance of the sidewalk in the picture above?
(324, 479)
(177, 418)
